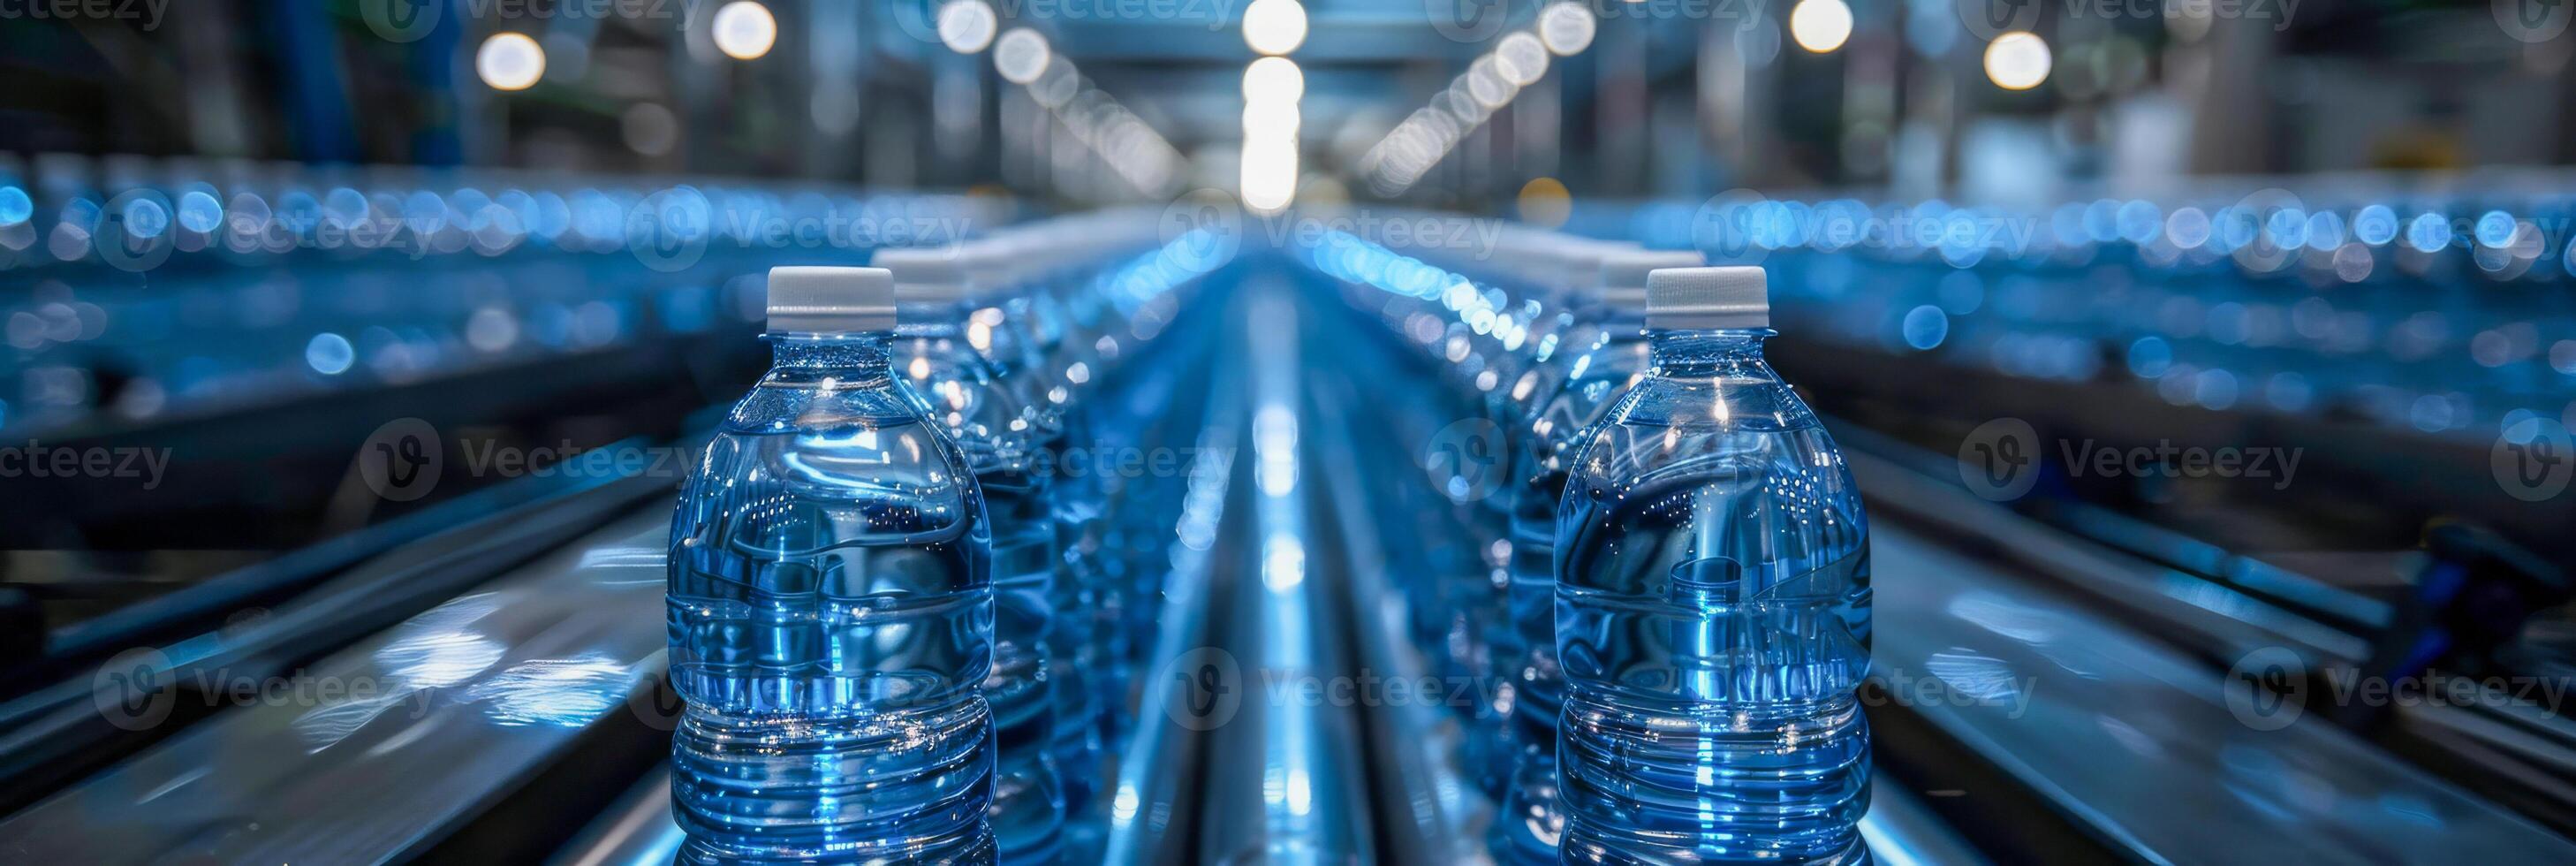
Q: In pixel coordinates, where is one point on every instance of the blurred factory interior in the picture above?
(361, 345)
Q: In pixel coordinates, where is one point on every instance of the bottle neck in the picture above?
(854, 358)
(1730, 353)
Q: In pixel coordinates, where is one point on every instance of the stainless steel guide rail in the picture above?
(2127, 735)
(414, 733)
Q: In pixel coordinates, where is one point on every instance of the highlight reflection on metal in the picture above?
(635, 831)
(1312, 803)
(378, 749)
(2119, 729)
(1434, 816)
(1158, 770)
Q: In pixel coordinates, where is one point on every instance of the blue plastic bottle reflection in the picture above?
(1712, 606)
(831, 615)
(1570, 386)
(967, 393)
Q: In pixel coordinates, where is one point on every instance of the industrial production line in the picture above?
(2040, 691)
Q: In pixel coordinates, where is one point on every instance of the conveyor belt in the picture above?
(518, 719)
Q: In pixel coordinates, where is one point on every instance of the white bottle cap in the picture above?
(830, 300)
(1706, 299)
(1623, 274)
(926, 275)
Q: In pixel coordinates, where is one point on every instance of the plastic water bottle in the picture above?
(831, 615)
(1569, 278)
(941, 358)
(1025, 337)
(1566, 390)
(1712, 605)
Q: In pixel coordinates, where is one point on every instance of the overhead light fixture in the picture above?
(1521, 58)
(744, 30)
(1111, 132)
(1269, 173)
(1271, 120)
(2018, 60)
(1274, 26)
(1566, 28)
(1486, 84)
(510, 61)
(1021, 55)
(1273, 79)
(967, 26)
(1820, 26)
(1518, 60)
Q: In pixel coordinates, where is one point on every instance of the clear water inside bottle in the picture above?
(1712, 623)
(830, 619)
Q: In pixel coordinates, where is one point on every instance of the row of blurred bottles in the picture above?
(139, 289)
(899, 604)
(2439, 312)
(1637, 535)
